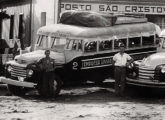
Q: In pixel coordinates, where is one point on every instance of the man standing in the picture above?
(47, 65)
(120, 61)
(47, 75)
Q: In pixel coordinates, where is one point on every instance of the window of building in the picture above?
(157, 19)
(20, 32)
(11, 33)
(43, 18)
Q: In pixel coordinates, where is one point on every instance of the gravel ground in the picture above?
(85, 102)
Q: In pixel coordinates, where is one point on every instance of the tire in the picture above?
(50, 87)
(16, 90)
(99, 81)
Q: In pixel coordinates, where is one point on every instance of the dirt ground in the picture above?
(85, 102)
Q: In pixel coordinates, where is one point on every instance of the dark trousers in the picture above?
(120, 75)
(48, 75)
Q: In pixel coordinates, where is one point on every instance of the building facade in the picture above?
(26, 16)
(20, 19)
(154, 10)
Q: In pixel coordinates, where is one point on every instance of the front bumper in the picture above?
(145, 83)
(17, 83)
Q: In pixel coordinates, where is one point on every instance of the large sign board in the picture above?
(96, 62)
(113, 8)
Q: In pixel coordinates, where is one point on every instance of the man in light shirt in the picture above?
(120, 61)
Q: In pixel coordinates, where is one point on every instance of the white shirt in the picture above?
(121, 60)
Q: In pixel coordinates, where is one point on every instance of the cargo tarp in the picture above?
(97, 19)
(87, 18)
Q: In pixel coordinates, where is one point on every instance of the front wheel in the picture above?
(16, 90)
(50, 85)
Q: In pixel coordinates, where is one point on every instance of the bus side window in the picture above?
(118, 41)
(124, 41)
(148, 40)
(44, 42)
(116, 44)
(105, 45)
(69, 44)
(80, 45)
(134, 42)
(90, 46)
(74, 45)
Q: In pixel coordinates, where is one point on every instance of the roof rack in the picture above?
(135, 15)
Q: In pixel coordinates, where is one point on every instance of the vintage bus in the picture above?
(80, 54)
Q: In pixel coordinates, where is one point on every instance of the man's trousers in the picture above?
(120, 75)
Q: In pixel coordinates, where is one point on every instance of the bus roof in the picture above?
(119, 31)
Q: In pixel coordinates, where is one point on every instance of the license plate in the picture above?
(21, 79)
(155, 81)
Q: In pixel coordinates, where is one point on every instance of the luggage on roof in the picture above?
(87, 18)
(97, 19)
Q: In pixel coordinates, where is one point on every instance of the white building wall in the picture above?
(39, 6)
(16, 11)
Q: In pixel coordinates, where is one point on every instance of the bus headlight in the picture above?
(163, 70)
(29, 72)
(130, 66)
(9, 68)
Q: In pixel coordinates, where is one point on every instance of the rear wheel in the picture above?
(50, 86)
(16, 90)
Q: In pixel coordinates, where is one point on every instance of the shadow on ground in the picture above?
(92, 94)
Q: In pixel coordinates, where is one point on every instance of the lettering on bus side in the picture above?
(96, 62)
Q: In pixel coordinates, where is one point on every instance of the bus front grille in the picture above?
(146, 73)
(18, 71)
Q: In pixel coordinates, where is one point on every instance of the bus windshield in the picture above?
(54, 43)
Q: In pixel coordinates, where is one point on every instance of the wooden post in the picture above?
(0, 28)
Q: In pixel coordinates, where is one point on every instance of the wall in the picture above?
(16, 10)
(39, 6)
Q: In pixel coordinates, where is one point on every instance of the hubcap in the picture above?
(55, 84)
